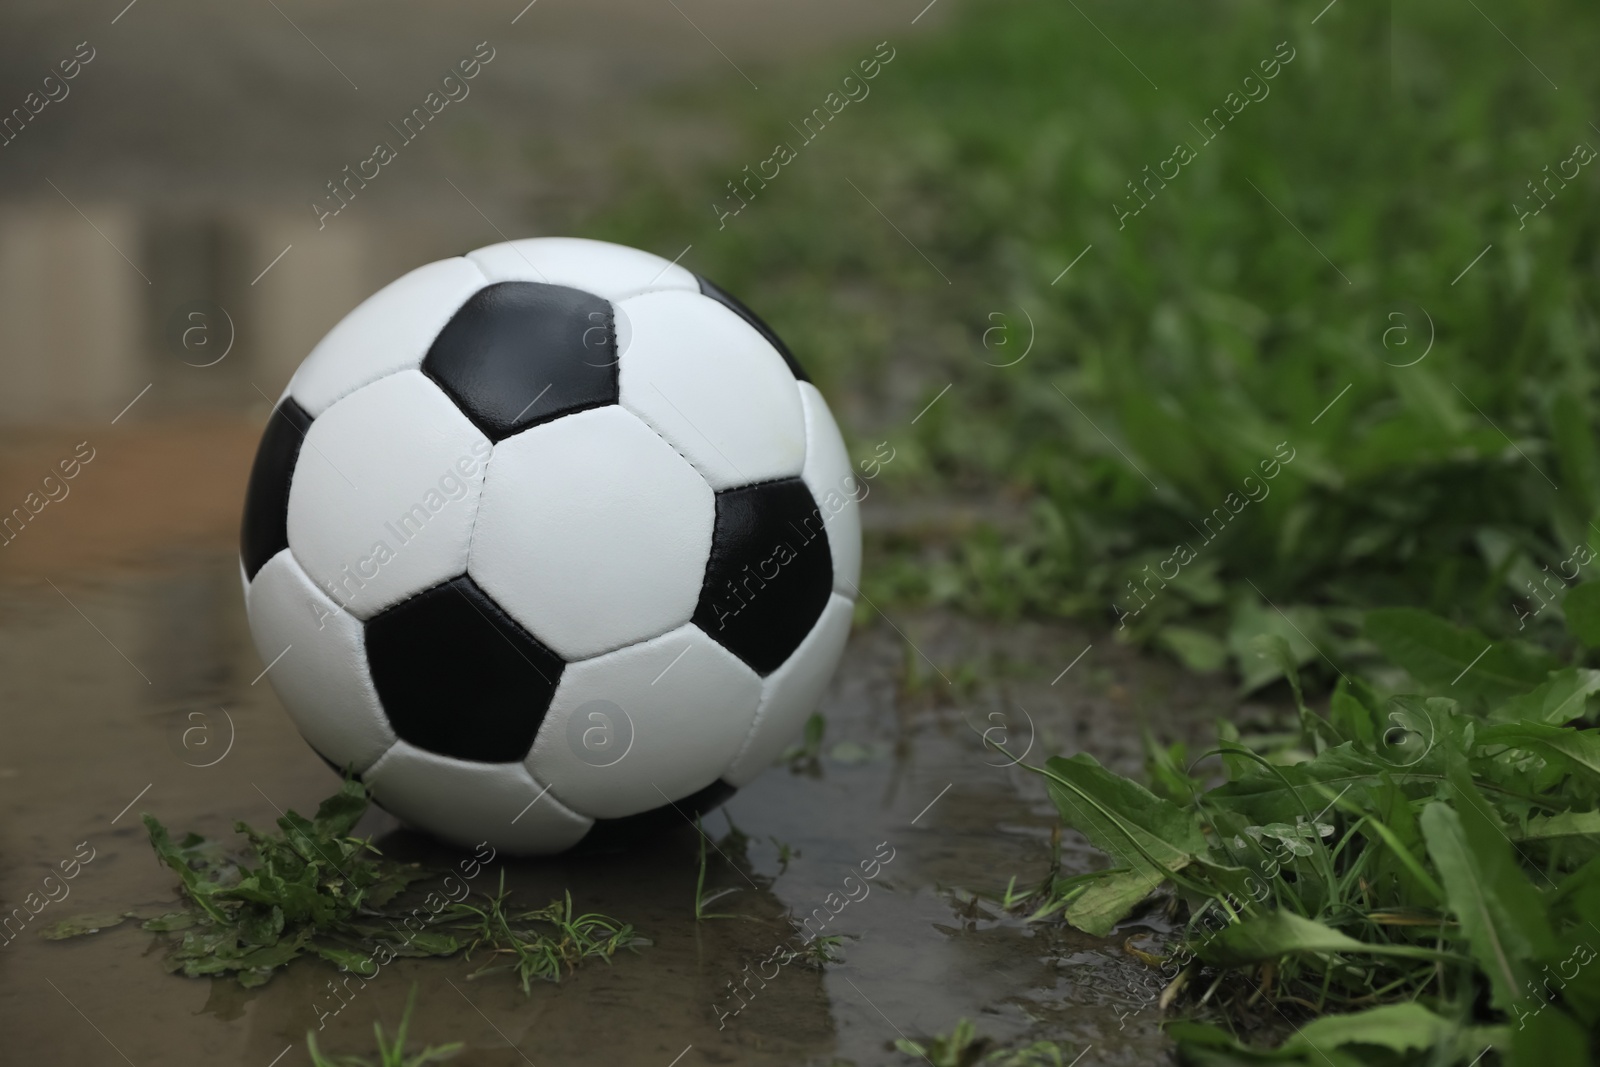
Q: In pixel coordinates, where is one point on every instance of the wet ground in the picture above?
(130, 685)
(180, 166)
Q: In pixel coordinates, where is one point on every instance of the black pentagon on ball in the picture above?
(769, 574)
(607, 834)
(458, 676)
(265, 529)
(734, 304)
(520, 353)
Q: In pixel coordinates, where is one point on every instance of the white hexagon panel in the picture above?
(327, 688)
(652, 722)
(593, 533)
(711, 384)
(465, 803)
(385, 493)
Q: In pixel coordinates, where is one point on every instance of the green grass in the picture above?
(965, 1047)
(819, 951)
(390, 1053)
(805, 755)
(312, 889)
(1413, 875)
(1190, 346)
(1323, 411)
(542, 944)
(704, 898)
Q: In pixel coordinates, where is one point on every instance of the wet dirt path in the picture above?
(131, 686)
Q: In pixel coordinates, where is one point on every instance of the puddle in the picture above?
(140, 685)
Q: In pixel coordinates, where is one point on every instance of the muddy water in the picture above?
(131, 686)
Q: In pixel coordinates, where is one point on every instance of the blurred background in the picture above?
(157, 236)
(1087, 272)
(1398, 216)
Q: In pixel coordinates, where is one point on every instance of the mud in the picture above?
(130, 685)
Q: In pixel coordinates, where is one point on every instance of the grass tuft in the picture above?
(390, 1053)
(1414, 872)
(313, 889)
(541, 944)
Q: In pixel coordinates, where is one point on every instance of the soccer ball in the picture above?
(551, 541)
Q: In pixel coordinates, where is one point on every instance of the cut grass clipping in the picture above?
(390, 1053)
(536, 945)
(1413, 875)
(313, 888)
